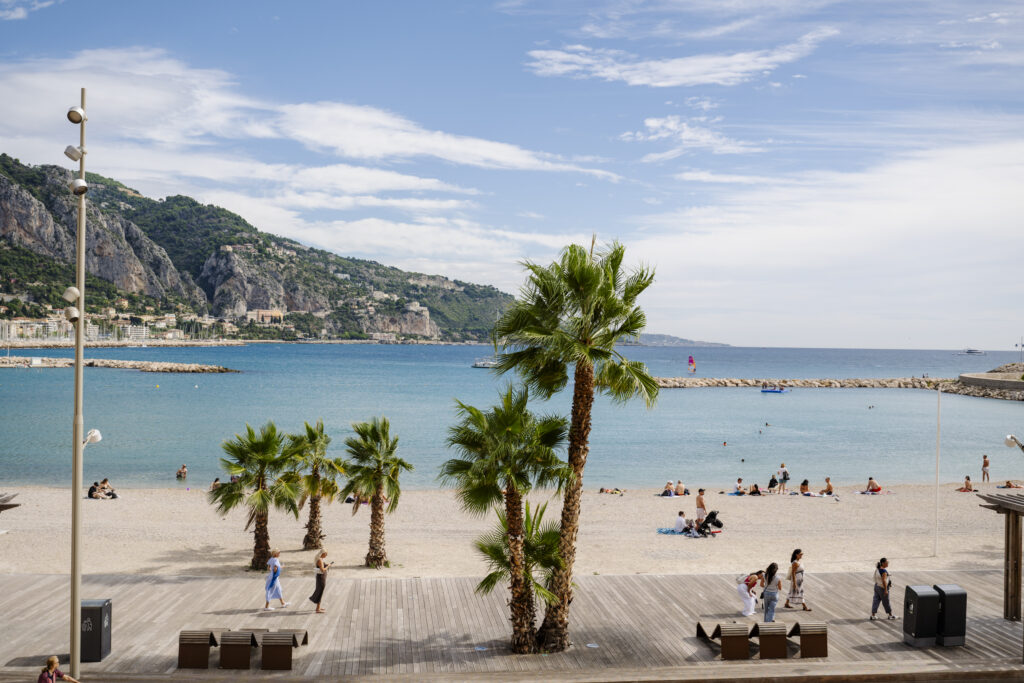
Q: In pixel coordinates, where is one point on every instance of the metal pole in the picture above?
(78, 430)
(938, 443)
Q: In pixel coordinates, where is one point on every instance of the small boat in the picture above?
(489, 362)
(774, 390)
(970, 352)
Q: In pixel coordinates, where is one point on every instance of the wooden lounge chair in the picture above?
(813, 638)
(236, 648)
(733, 638)
(194, 649)
(277, 648)
(771, 638)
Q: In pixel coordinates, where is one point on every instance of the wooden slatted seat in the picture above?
(771, 639)
(236, 649)
(733, 638)
(278, 646)
(194, 649)
(813, 638)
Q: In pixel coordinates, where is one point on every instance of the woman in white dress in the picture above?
(796, 581)
(746, 589)
(274, 590)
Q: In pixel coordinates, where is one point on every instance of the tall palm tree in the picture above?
(373, 473)
(573, 312)
(504, 453)
(320, 483)
(540, 553)
(263, 481)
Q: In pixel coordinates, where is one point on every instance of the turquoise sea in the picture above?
(152, 423)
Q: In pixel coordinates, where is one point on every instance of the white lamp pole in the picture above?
(938, 444)
(77, 115)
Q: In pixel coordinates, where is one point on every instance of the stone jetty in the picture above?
(143, 365)
(962, 386)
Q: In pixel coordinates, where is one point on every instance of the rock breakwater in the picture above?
(948, 385)
(143, 365)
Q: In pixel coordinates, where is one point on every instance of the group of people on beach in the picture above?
(102, 490)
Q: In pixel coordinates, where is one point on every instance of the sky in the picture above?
(809, 173)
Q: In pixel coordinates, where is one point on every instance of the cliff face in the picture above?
(407, 322)
(116, 249)
(234, 285)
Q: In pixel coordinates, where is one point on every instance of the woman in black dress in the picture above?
(321, 580)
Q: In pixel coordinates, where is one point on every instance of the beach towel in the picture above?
(1009, 487)
(874, 493)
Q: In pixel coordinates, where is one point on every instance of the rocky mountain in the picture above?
(181, 253)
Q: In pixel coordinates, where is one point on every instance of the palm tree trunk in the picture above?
(313, 540)
(261, 541)
(524, 639)
(554, 632)
(377, 557)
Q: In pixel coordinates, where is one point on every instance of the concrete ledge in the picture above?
(993, 380)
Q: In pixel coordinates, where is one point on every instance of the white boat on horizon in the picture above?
(489, 362)
(970, 352)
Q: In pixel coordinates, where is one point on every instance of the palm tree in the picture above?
(309, 452)
(504, 453)
(373, 473)
(540, 552)
(262, 482)
(573, 312)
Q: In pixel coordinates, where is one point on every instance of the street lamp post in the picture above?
(1012, 441)
(76, 315)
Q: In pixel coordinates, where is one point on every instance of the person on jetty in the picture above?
(873, 486)
(274, 590)
(968, 487)
(772, 587)
(984, 468)
(796, 579)
(746, 588)
(701, 508)
(883, 582)
(828, 490)
(51, 673)
(783, 477)
(680, 490)
(182, 472)
(668, 491)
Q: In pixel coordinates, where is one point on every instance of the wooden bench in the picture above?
(771, 638)
(278, 646)
(194, 649)
(813, 638)
(236, 648)
(734, 639)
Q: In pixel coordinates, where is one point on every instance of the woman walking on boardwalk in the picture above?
(321, 581)
(796, 579)
(772, 588)
(883, 582)
(274, 590)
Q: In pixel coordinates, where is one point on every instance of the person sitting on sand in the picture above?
(107, 489)
(967, 487)
(215, 485)
(95, 493)
(681, 524)
(738, 490)
(873, 486)
(680, 490)
(668, 491)
(754, 490)
(182, 472)
(772, 483)
(828, 490)
(805, 488)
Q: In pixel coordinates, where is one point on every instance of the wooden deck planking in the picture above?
(404, 627)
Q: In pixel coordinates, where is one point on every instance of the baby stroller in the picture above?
(711, 521)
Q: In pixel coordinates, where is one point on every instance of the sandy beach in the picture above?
(175, 531)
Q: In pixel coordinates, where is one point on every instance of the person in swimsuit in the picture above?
(805, 487)
(967, 487)
(828, 490)
(984, 468)
(701, 511)
(680, 490)
(182, 472)
(873, 486)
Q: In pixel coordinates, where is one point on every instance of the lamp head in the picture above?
(73, 153)
(76, 115)
(79, 187)
(1011, 440)
(71, 295)
(93, 436)
(72, 314)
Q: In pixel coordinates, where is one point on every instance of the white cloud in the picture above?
(12, 10)
(685, 136)
(725, 178)
(579, 61)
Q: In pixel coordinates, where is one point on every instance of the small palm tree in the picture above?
(262, 482)
(504, 453)
(373, 474)
(320, 483)
(571, 314)
(540, 553)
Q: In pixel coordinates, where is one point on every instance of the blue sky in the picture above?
(812, 173)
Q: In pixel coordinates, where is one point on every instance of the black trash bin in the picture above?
(96, 618)
(920, 615)
(952, 627)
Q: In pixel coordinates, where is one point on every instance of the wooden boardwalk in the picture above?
(624, 628)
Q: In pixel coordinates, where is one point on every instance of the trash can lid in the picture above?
(96, 603)
(949, 589)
